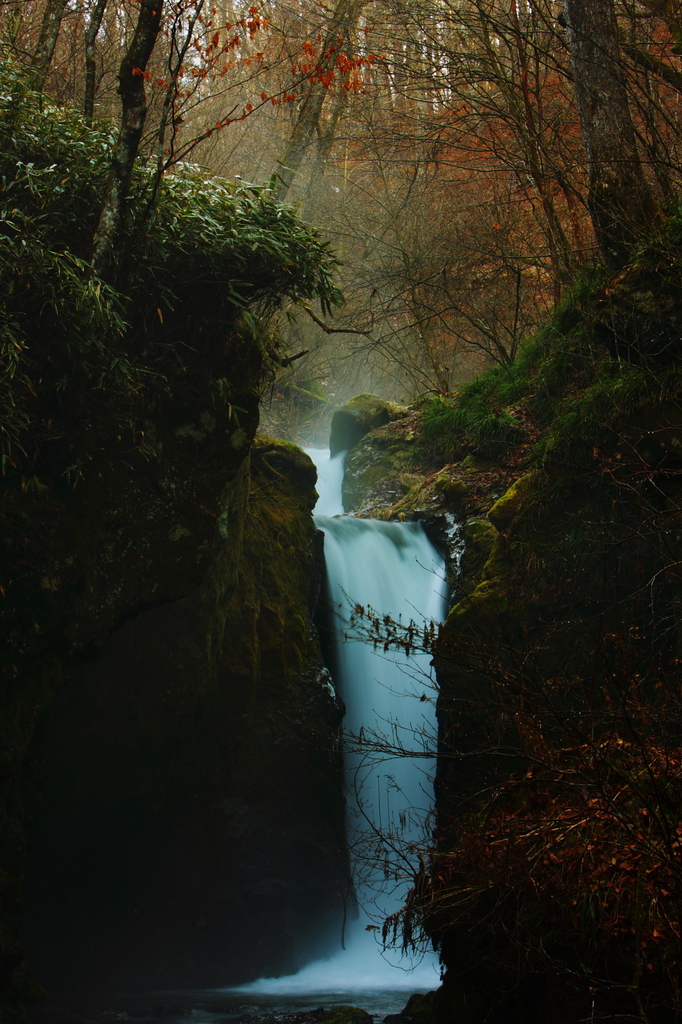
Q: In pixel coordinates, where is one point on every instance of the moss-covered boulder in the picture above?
(363, 413)
(419, 1009)
(451, 489)
(286, 460)
(505, 509)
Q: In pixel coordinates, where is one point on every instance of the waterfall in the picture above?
(390, 712)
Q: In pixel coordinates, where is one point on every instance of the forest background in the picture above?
(436, 144)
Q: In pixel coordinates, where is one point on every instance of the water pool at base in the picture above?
(215, 1006)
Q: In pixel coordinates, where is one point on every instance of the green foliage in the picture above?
(595, 415)
(195, 257)
(237, 237)
(471, 423)
(608, 354)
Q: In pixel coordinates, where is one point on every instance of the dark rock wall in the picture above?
(548, 633)
(171, 749)
(137, 532)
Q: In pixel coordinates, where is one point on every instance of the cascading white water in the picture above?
(393, 569)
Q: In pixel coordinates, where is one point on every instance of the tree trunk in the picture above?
(621, 202)
(307, 125)
(133, 114)
(90, 69)
(326, 139)
(47, 41)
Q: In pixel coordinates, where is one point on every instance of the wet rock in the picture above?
(419, 1010)
(320, 1015)
(452, 490)
(375, 470)
(363, 413)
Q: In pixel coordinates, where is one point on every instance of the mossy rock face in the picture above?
(506, 508)
(196, 751)
(287, 461)
(409, 482)
(148, 523)
(363, 413)
(479, 537)
(428, 495)
(488, 602)
(376, 466)
(422, 499)
(452, 490)
(419, 1008)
